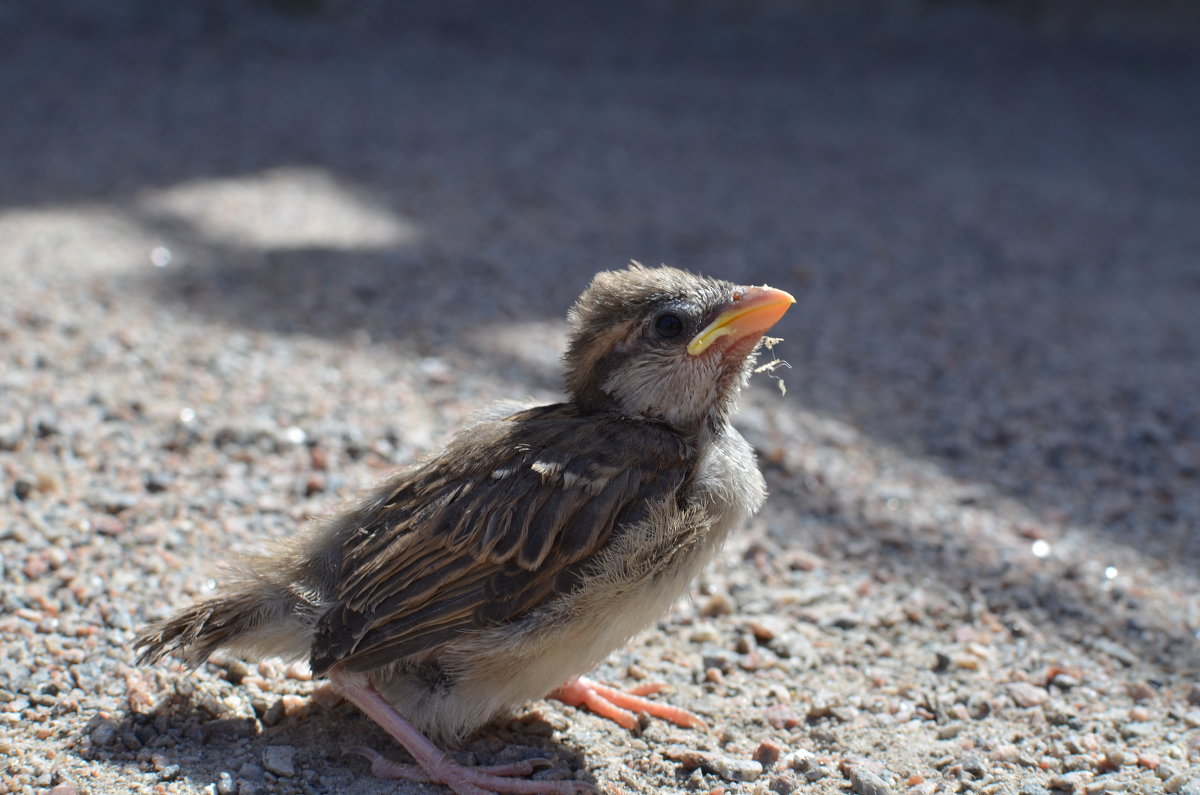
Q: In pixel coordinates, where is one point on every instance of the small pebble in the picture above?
(273, 715)
(973, 764)
(249, 771)
(800, 760)
(1027, 695)
(1174, 784)
(781, 716)
(1071, 782)
(732, 769)
(1117, 652)
(949, 730)
(1115, 758)
(766, 628)
(786, 784)
(794, 646)
(726, 767)
(1140, 691)
(1006, 753)
(299, 671)
(280, 760)
(864, 782)
(1065, 681)
(768, 753)
(235, 670)
(716, 605)
(104, 734)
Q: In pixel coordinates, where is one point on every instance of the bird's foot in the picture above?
(434, 765)
(473, 780)
(620, 706)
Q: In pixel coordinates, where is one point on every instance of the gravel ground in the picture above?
(255, 256)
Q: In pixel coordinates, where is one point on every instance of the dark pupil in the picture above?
(668, 326)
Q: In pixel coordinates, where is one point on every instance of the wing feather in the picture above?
(502, 522)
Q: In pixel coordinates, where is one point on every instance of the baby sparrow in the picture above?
(538, 541)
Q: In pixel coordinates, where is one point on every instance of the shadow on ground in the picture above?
(206, 721)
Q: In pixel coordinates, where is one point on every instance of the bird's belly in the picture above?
(576, 640)
(496, 672)
(577, 633)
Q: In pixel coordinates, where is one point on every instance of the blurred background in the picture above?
(989, 211)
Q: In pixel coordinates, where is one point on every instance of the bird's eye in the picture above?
(668, 326)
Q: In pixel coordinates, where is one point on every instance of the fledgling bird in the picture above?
(512, 562)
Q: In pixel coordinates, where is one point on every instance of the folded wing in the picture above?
(492, 529)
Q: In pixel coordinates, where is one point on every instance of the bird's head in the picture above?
(665, 344)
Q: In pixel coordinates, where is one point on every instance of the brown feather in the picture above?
(568, 482)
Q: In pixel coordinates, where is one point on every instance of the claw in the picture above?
(382, 767)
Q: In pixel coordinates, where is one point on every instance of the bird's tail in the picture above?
(257, 620)
(193, 634)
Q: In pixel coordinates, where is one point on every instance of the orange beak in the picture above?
(752, 310)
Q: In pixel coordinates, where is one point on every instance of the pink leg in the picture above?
(619, 706)
(434, 765)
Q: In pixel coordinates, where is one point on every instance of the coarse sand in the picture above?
(254, 256)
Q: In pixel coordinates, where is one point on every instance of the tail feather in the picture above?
(258, 623)
(194, 633)
(269, 604)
